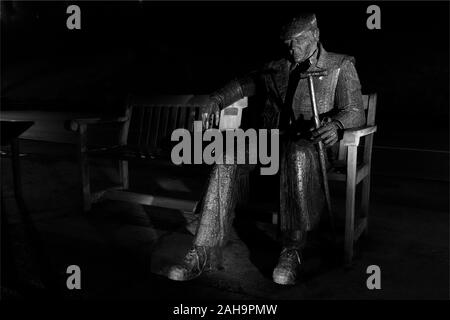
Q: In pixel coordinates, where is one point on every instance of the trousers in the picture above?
(302, 198)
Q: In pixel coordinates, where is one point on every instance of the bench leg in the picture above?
(17, 175)
(86, 188)
(365, 201)
(84, 169)
(350, 204)
(123, 172)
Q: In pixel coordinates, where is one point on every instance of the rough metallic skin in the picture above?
(228, 94)
(298, 24)
(217, 210)
(301, 195)
(338, 96)
(287, 107)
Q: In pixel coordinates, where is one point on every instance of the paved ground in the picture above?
(123, 249)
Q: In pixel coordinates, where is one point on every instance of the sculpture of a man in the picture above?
(287, 108)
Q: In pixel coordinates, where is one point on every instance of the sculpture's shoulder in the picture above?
(334, 60)
(274, 66)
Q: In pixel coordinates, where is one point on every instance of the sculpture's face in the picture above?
(301, 46)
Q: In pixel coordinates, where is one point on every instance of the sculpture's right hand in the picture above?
(210, 115)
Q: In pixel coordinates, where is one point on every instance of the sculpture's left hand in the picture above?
(327, 133)
(210, 115)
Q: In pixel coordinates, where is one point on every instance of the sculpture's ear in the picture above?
(316, 34)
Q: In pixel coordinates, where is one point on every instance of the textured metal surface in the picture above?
(338, 93)
(228, 94)
(338, 96)
(297, 25)
(217, 209)
(301, 195)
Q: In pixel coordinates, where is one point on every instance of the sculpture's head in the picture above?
(301, 37)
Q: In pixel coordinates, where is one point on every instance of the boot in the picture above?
(285, 272)
(197, 260)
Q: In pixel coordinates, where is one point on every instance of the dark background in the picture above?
(51, 74)
(178, 47)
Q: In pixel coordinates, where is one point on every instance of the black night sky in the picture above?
(50, 74)
(177, 47)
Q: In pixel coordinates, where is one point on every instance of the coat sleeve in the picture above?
(348, 97)
(236, 89)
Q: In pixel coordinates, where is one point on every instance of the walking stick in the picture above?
(310, 76)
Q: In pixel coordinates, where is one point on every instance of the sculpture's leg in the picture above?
(301, 194)
(216, 217)
(217, 210)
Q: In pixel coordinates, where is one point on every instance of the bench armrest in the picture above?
(74, 124)
(352, 136)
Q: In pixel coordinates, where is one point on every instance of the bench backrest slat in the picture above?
(153, 120)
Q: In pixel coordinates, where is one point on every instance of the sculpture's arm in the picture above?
(235, 90)
(227, 95)
(348, 98)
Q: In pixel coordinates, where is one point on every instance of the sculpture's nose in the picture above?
(297, 51)
(288, 44)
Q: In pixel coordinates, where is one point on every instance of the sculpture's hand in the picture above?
(327, 133)
(210, 115)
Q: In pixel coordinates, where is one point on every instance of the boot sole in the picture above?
(178, 276)
(283, 280)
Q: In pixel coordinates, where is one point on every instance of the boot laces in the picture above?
(290, 254)
(193, 257)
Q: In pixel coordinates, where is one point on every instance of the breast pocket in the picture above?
(324, 89)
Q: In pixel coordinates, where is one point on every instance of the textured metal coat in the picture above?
(338, 94)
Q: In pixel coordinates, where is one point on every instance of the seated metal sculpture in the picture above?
(289, 107)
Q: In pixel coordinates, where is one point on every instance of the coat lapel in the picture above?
(319, 63)
(280, 78)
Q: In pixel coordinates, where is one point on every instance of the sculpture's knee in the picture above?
(299, 154)
(227, 169)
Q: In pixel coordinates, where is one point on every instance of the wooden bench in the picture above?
(354, 173)
(145, 131)
(144, 135)
(351, 170)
